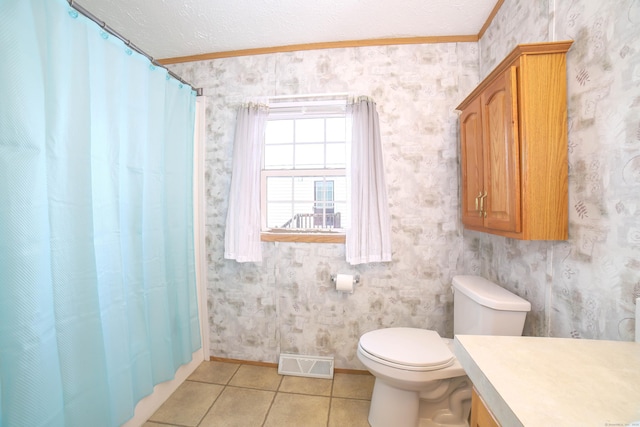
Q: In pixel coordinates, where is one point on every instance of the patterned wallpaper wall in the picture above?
(288, 303)
(584, 287)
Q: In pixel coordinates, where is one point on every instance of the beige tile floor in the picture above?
(228, 394)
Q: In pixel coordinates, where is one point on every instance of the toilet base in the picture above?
(392, 407)
(441, 403)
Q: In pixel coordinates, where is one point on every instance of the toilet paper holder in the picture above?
(356, 278)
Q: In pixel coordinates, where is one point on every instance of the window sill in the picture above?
(303, 237)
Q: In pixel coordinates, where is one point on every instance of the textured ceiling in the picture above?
(174, 28)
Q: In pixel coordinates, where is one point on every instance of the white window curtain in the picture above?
(369, 237)
(242, 234)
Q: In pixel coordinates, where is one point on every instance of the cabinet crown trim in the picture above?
(517, 52)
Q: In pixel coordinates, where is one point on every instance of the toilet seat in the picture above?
(407, 348)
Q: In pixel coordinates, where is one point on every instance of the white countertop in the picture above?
(539, 382)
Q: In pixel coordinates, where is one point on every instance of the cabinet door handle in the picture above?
(482, 196)
(477, 197)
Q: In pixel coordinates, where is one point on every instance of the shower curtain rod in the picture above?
(128, 43)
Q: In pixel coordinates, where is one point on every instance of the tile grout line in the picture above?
(273, 399)
(224, 387)
(266, 415)
(283, 388)
(333, 384)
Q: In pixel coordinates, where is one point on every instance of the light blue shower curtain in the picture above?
(97, 282)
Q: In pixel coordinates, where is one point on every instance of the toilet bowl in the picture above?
(419, 382)
(416, 377)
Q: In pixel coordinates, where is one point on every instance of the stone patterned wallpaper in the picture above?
(584, 287)
(288, 304)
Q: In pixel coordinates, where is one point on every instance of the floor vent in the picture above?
(306, 366)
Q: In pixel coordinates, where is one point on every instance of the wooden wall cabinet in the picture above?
(481, 416)
(513, 146)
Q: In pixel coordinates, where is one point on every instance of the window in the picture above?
(304, 183)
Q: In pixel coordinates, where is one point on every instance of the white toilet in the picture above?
(419, 382)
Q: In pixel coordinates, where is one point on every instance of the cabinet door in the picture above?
(501, 153)
(471, 163)
(480, 415)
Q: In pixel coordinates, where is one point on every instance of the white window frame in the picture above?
(303, 109)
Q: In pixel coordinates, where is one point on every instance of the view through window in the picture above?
(303, 179)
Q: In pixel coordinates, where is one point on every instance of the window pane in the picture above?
(309, 156)
(279, 131)
(303, 207)
(304, 215)
(340, 188)
(341, 215)
(310, 130)
(278, 157)
(336, 130)
(279, 189)
(336, 156)
(279, 214)
(306, 210)
(303, 189)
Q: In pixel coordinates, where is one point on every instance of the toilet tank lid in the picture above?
(489, 294)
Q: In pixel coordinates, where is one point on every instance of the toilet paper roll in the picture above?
(344, 283)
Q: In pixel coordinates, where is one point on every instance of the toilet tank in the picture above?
(481, 307)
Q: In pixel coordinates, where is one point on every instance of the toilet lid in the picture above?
(408, 346)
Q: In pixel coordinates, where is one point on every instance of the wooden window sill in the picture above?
(303, 237)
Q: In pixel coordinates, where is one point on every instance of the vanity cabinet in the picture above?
(480, 414)
(513, 146)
